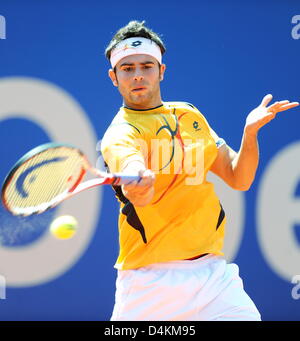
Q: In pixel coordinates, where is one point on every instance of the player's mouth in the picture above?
(139, 89)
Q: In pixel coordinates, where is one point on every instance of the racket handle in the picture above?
(114, 178)
(121, 179)
(108, 179)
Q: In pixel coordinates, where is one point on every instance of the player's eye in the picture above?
(127, 69)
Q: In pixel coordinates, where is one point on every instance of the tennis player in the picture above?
(171, 224)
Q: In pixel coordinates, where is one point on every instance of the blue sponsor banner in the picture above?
(222, 57)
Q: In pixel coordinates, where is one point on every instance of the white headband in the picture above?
(135, 45)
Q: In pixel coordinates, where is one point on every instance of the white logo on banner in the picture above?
(64, 121)
(2, 27)
(278, 212)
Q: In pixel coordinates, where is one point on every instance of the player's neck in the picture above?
(143, 106)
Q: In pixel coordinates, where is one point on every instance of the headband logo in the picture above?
(136, 43)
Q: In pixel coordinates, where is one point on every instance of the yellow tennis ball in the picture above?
(64, 227)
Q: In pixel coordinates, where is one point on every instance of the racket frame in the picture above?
(33, 153)
(102, 178)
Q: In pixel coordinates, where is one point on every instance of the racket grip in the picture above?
(120, 179)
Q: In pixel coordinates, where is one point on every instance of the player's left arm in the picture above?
(238, 169)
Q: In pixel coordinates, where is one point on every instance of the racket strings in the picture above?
(44, 178)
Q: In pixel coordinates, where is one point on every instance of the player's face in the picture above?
(138, 80)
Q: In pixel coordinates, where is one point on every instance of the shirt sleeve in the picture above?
(220, 142)
(122, 143)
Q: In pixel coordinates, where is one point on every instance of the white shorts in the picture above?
(204, 289)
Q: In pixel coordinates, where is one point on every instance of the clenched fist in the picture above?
(141, 193)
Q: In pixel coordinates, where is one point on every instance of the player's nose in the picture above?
(138, 76)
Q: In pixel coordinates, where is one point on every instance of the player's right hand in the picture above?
(141, 193)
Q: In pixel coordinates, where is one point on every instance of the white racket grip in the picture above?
(122, 179)
(114, 179)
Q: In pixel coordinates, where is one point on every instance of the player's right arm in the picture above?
(140, 194)
(124, 150)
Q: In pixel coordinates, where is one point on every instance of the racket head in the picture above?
(42, 178)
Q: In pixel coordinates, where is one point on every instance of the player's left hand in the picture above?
(263, 114)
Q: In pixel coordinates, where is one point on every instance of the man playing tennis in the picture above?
(171, 223)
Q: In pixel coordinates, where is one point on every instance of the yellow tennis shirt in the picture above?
(185, 217)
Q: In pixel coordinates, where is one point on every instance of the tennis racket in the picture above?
(50, 174)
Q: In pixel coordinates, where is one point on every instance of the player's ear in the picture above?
(112, 75)
(162, 71)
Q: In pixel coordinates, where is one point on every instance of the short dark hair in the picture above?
(134, 29)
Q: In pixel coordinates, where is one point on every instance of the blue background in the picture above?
(222, 56)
